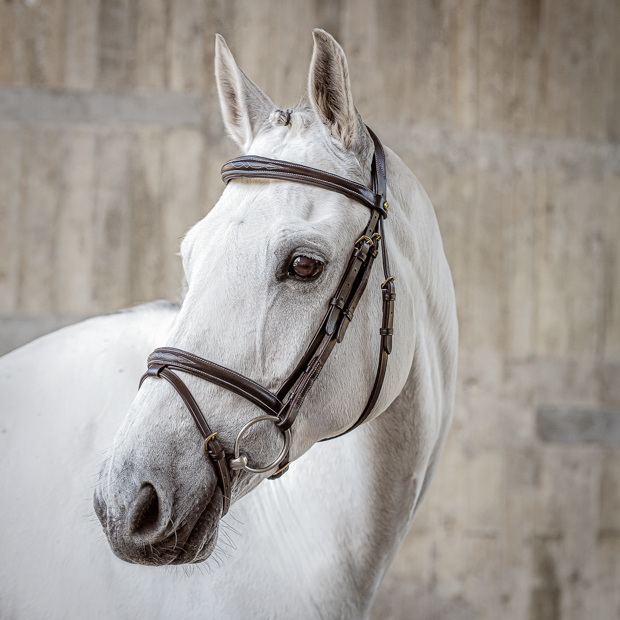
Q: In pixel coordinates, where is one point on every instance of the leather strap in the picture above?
(224, 377)
(287, 401)
(252, 166)
(159, 369)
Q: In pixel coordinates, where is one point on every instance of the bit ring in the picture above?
(240, 461)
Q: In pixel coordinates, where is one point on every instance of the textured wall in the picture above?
(508, 112)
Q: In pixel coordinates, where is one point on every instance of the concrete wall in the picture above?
(509, 113)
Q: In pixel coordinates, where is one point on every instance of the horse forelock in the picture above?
(297, 135)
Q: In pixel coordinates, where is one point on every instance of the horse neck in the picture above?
(335, 520)
(339, 514)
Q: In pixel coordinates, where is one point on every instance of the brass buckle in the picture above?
(377, 235)
(365, 238)
(209, 438)
(280, 471)
(390, 279)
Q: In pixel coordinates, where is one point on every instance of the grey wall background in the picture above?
(509, 113)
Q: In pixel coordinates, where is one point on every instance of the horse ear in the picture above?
(245, 107)
(329, 89)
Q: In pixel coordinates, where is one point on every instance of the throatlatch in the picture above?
(283, 407)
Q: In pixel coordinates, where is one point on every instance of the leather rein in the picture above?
(282, 407)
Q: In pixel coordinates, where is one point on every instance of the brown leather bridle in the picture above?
(283, 406)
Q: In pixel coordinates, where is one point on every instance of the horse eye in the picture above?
(305, 267)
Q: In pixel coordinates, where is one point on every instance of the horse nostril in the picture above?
(145, 511)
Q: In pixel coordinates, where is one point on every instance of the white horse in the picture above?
(312, 544)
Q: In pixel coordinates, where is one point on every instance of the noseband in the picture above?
(282, 407)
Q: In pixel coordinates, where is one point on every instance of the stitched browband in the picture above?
(285, 404)
(252, 166)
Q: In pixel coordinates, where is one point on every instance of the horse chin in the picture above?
(202, 539)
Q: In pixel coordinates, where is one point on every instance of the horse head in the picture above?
(261, 268)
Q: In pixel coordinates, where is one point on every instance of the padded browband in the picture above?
(285, 404)
(251, 166)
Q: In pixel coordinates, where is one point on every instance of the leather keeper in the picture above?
(387, 327)
(379, 202)
(154, 370)
(216, 455)
(362, 252)
(389, 291)
(332, 319)
(338, 302)
(287, 415)
(342, 328)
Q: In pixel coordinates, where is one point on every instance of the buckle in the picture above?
(280, 472)
(366, 239)
(208, 439)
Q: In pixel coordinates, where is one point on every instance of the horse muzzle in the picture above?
(144, 525)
